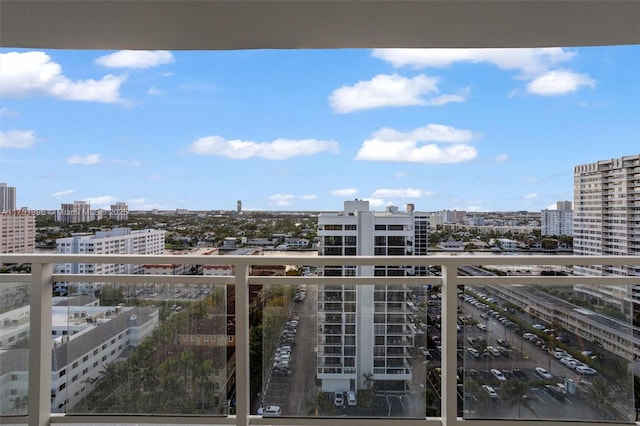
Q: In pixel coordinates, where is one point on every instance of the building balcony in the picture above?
(162, 381)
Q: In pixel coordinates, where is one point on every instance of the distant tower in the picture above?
(7, 198)
(239, 207)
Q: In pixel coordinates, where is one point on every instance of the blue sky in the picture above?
(466, 129)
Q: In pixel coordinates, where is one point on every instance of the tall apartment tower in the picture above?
(7, 197)
(76, 212)
(239, 207)
(607, 222)
(558, 222)
(363, 331)
(17, 231)
(119, 211)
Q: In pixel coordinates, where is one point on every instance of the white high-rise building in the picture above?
(7, 197)
(364, 330)
(557, 222)
(607, 222)
(116, 241)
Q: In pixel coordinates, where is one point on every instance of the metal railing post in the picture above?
(449, 407)
(40, 344)
(243, 397)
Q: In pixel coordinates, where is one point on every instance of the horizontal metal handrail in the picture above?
(458, 260)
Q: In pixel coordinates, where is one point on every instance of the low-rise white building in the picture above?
(85, 338)
(115, 241)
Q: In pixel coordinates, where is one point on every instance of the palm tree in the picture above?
(20, 404)
(602, 395)
(515, 393)
(368, 381)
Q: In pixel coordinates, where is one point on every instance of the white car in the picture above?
(272, 411)
(473, 352)
(338, 399)
(586, 370)
(493, 350)
(491, 391)
(567, 359)
(543, 373)
(351, 398)
(498, 374)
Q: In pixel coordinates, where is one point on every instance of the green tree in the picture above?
(111, 296)
(515, 393)
(20, 404)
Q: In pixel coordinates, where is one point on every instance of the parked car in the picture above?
(473, 352)
(567, 359)
(338, 399)
(272, 411)
(493, 350)
(498, 374)
(491, 391)
(586, 370)
(543, 373)
(351, 398)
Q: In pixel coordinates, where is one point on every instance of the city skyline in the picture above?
(444, 129)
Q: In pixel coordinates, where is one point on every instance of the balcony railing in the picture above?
(42, 279)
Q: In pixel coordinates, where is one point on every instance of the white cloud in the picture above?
(429, 133)
(34, 73)
(529, 61)
(388, 91)
(502, 158)
(101, 202)
(153, 91)
(400, 193)
(153, 177)
(391, 145)
(87, 160)
(559, 82)
(17, 139)
(345, 192)
(536, 64)
(6, 112)
(280, 149)
(553, 206)
(62, 193)
(281, 199)
(531, 196)
(138, 59)
(309, 197)
(376, 202)
(445, 99)
(127, 163)
(400, 175)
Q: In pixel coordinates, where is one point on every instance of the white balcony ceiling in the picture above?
(260, 24)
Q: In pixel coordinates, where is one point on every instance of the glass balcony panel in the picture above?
(144, 349)
(531, 353)
(14, 348)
